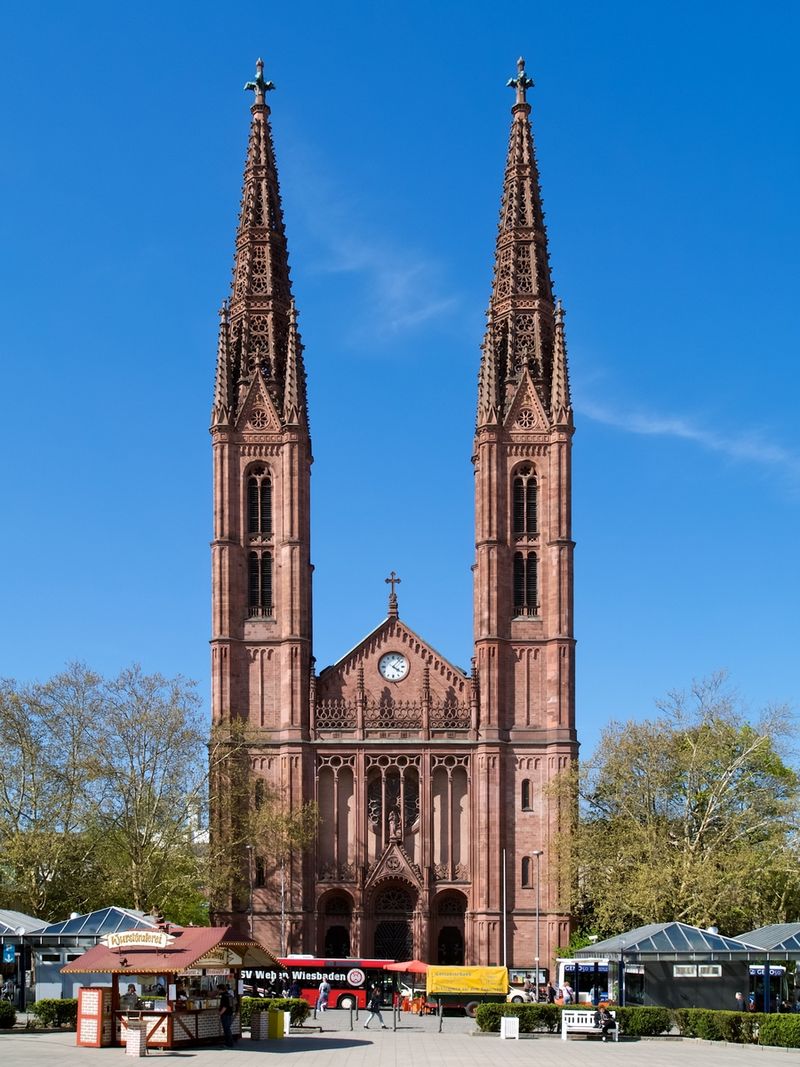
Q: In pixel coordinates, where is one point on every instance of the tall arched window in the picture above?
(526, 794)
(525, 503)
(526, 584)
(259, 504)
(526, 870)
(259, 584)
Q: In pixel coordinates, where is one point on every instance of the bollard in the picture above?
(439, 1009)
(351, 1016)
(394, 1016)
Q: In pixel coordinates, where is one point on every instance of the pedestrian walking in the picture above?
(322, 995)
(226, 1015)
(374, 1009)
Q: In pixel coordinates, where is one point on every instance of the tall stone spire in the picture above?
(487, 379)
(261, 298)
(294, 387)
(221, 410)
(523, 315)
(560, 404)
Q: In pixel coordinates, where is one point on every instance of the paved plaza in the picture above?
(415, 1044)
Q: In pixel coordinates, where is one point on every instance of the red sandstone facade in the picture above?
(427, 779)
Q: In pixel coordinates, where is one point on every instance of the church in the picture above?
(437, 832)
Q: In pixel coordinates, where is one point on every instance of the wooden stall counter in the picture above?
(169, 1028)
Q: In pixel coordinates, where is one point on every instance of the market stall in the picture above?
(166, 985)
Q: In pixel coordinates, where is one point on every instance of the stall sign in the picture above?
(9, 953)
(138, 939)
(220, 957)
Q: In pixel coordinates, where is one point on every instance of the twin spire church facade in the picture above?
(437, 833)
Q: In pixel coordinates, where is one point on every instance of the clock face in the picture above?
(393, 666)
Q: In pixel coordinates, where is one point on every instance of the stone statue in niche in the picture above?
(395, 826)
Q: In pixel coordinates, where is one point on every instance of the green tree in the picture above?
(280, 836)
(691, 816)
(103, 784)
(49, 785)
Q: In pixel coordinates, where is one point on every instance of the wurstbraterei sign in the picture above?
(138, 939)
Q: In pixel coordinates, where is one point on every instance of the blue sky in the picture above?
(668, 143)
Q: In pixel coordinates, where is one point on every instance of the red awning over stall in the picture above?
(193, 946)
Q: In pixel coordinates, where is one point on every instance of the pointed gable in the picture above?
(258, 412)
(394, 864)
(526, 413)
(344, 679)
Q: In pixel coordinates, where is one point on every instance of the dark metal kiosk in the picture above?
(674, 965)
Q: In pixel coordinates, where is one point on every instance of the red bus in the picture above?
(351, 980)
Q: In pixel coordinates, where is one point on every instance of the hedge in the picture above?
(56, 1012)
(7, 1015)
(741, 1027)
(299, 1008)
(533, 1018)
(782, 1030)
(638, 1021)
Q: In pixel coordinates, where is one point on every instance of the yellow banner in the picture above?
(467, 980)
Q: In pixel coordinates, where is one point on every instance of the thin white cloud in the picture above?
(748, 446)
(404, 286)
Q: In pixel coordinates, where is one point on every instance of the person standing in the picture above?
(226, 1015)
(374, 1009)
(130, 1001)
(323, 994)
(550, 993)
(569, 993)
(740, 1004)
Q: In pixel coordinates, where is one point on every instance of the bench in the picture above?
(582, 1022)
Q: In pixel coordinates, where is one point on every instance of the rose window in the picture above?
(258, 419)
(526, 419)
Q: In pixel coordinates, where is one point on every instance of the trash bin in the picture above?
(259, 1025)
(509, 1027)
(136, 1038)
(287, 1023)
(275, 1024)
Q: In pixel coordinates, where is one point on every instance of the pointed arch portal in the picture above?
(394, 909)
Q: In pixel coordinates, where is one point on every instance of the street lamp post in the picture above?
(538, 853)
(250, 888)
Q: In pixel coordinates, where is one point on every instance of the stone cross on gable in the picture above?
(259, 86)
(392, 580)
(522, 82)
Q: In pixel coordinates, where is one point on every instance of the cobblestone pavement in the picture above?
(416, 1043)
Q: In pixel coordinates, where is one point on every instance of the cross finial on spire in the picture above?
(392, 580)
(259, 86)
(522, 82)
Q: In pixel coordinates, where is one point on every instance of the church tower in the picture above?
(436, 831)
(261, 570)
(523, 574)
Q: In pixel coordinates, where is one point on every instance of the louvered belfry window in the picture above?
(526, 584)
(259, 583)
(259, 504)
(525, 503)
